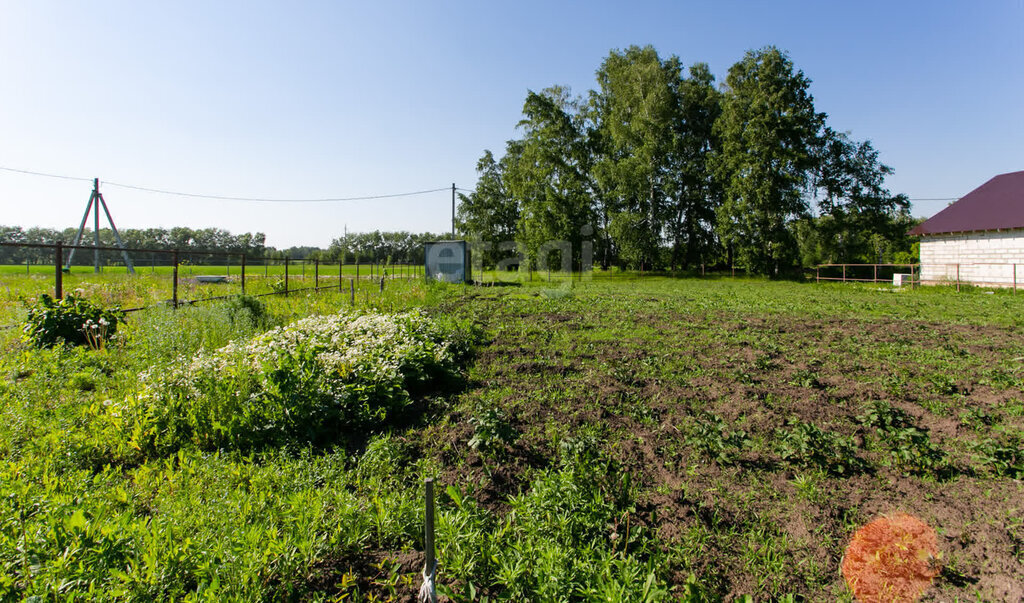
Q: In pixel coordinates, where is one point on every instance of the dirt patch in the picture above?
(760, 519)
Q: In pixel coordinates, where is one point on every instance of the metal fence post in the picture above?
(958, 278)
(174, 286)
(243, 274)
(58, 275)
(1015, 279)
(316, 275)
(341, 271)
(286, 277)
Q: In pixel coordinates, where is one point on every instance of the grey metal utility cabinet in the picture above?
(447, 261)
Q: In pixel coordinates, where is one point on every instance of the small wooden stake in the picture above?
(428, 533)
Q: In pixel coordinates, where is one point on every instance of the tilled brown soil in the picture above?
(752, 521)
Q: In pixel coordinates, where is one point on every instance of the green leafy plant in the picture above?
(909, 445)
(711, 435)
(491, 431)
(806, 444)
(1002, 456)
(71, 320)
(805, 378)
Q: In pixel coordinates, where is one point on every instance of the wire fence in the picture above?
(185, 277)
(976, 274)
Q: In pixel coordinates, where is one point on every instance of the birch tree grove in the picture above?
(660, 168)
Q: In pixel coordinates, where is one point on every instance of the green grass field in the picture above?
(154, 285)
(610, 439)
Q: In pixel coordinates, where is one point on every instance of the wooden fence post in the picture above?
(286, 277)
(958, 278)
(58, 275)
(352, 288)
(844, 273)
(341, 271)
(316, 275)
(817, 275)
(243, 274)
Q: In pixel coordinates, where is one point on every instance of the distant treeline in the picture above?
(659, 167)
(199, 246)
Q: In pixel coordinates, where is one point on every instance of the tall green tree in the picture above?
(848, 183)
(549, 176)
(769, 130)
(637, 105)
(490, 214)
(697, 192)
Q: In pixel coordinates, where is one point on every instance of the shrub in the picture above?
(321, 380)
(249, 311)
(71, 320)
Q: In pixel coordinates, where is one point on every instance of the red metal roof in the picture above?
(996, 205)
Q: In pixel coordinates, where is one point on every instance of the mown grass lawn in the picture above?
(617, 439)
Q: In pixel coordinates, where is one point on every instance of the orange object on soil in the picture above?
(891, 559)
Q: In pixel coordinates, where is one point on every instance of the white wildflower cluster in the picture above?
(342, 360)
(378, 346)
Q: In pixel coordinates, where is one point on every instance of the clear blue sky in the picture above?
(343, 99)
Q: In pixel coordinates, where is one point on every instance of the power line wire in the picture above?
(230, 198)
(267, 200)
(7, 169)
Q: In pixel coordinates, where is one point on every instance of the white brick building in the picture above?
(979, 239)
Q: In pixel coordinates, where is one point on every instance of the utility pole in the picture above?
(95, 202)
(453, 210)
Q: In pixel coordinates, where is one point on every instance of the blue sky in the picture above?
(337, 99)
